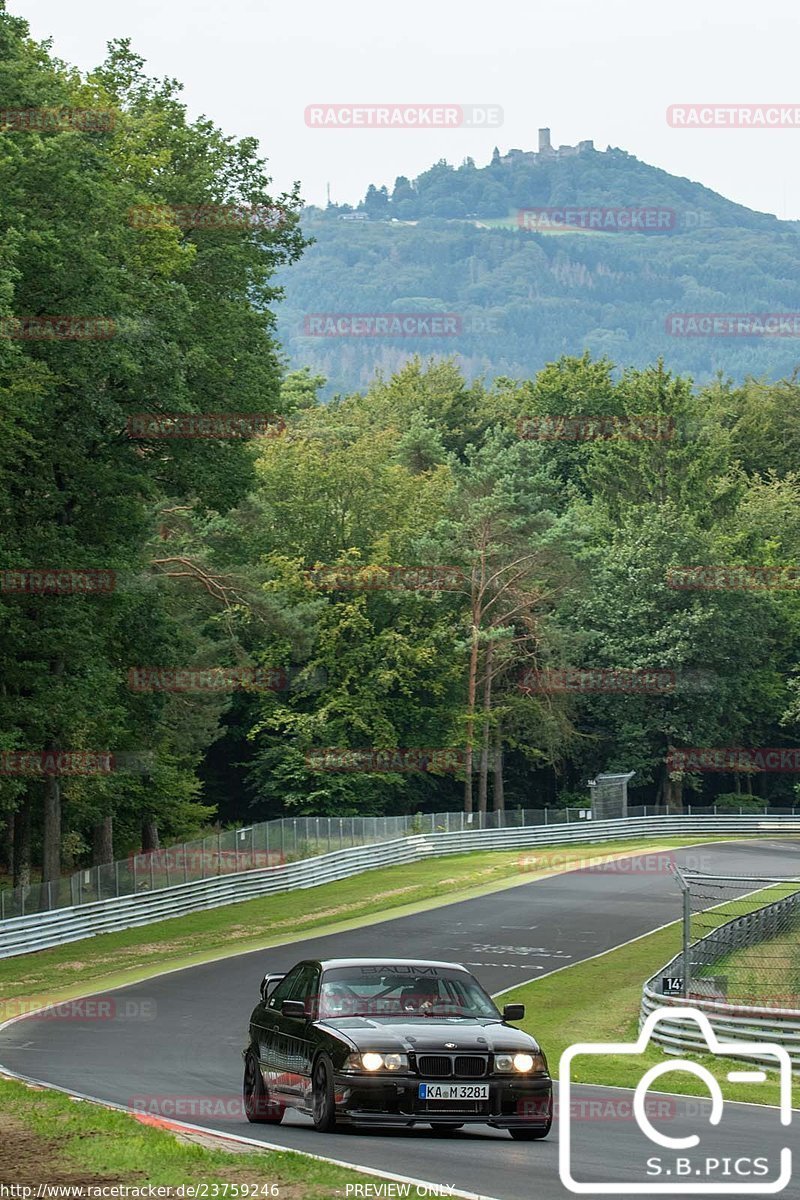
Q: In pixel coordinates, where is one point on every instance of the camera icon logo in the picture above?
(678, 1171)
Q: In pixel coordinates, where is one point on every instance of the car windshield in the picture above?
(407, 991)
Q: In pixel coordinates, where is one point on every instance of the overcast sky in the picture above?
(606, 71)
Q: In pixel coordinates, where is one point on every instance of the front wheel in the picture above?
(258, 1107)
(323, 1105)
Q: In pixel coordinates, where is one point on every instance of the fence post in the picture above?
(545, 815)
(152, 872)
(687, 933)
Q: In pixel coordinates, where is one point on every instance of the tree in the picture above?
(191, 324)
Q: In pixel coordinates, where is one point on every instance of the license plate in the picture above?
(454, 1091)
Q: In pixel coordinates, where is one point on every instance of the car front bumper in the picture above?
(514, 1102)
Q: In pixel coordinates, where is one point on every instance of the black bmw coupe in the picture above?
(393, 1042)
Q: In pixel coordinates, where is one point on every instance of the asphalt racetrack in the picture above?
(191, 1045)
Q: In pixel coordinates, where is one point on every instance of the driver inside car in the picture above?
(422, 996)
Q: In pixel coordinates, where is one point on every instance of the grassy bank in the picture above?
(46, 1137)
(598, 1001)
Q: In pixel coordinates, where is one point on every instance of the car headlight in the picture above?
(521, 1062)
(372, 1061)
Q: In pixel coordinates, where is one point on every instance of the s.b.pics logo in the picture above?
(700, 1147)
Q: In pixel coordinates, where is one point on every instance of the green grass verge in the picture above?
(134, 954)
(46, 1137)
(598, 1001)
(766, 973)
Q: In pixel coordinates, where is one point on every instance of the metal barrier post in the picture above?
(687, 929)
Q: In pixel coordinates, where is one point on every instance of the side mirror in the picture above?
(513, 1012)
(293, 1008)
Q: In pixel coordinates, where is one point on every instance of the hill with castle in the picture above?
(452, 241)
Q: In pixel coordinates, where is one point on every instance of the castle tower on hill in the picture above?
(546, 152)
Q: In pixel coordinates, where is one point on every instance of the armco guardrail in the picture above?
(22, 935)
(731, 1022)
(265, 844)
(269, 843)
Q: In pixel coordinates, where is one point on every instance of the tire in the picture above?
(521, 1134)
(323, 1105)
(445, 1130)
(258, 1107)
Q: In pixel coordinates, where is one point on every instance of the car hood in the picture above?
(427, 1035)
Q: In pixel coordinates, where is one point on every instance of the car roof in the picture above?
(329, 963)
